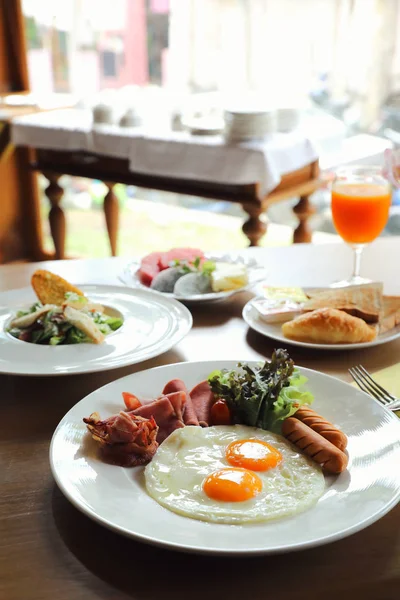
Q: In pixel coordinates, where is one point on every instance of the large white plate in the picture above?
(256, 273)
(117, 498)
(152, 325)
(274, 331)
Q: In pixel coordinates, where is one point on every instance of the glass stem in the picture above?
(358, 248)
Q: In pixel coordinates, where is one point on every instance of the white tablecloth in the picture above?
(159, 151)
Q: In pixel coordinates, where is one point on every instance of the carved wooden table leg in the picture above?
(111, 212)
(303, 211)
(54, 192)
(255, 227)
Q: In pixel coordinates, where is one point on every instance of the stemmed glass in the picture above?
(361, 198)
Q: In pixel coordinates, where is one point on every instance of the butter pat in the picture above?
(294, 294)
(228, 276)
(277, 311)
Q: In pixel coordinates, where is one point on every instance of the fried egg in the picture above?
(232, 474)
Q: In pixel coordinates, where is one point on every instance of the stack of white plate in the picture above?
(247, 124)
(288, 118)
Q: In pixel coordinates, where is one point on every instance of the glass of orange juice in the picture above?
(361, 198)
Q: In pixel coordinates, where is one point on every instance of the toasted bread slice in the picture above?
(390, 313)
(363, 301)
(51, 288)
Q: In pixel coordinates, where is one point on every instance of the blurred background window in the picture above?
(340, 59)
(343, 54)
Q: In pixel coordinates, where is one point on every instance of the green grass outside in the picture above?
(139, 234)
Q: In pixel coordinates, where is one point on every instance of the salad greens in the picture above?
(53, 327)
(195, 266)
(264, 396)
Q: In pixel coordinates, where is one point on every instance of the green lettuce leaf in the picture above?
(262, 396)
(113, 323)
(56, 340)
(76, 336)
(288, 402)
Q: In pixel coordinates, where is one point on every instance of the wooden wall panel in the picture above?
(20, 232)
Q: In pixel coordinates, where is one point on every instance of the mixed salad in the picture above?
(263, 396)
(75, 321)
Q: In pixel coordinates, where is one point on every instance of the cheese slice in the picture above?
(228, 276)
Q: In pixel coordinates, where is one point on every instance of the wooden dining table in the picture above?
(50, 551)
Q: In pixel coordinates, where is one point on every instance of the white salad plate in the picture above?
(256, 273)
(274, 331)
(116, 497)
(152, 325)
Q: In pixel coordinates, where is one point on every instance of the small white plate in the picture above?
(116, 497)
(152, 325)
(256, 273)
(274, 331)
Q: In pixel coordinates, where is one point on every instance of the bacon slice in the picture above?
(126, 439)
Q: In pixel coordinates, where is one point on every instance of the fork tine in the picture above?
(371, 389)
(375, 383)
(360, 383)
(394, 405)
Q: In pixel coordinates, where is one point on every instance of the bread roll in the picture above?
(328, 326)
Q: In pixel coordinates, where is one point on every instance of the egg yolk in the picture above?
(232, 485)
(252, 454)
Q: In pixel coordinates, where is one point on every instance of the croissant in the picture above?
(328, 326)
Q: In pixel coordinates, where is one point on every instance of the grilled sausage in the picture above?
(331, 459)
(322, 426)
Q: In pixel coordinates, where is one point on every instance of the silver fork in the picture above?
(367, 384)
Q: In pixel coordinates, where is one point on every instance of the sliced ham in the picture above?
(189, 414)
(165, 415)
(125, 439)
(175, 385)
(202, 400)
(178, 401)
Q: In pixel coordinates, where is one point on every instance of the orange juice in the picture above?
(360, 210)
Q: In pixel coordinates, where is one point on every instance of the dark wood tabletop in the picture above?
(50, 551)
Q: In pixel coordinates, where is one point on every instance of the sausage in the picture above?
(322, 426)
(331, 459)
(189, 414)
(202, 398)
